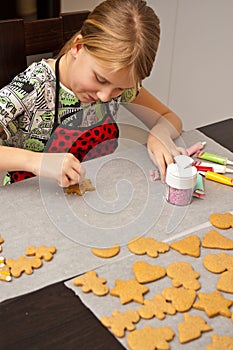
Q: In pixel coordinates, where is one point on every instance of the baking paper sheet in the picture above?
(103, 306)
(126, 203)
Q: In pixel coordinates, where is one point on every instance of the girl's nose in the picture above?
(105, 94)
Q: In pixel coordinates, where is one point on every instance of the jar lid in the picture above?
(180, 175)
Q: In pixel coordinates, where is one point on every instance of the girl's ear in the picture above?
(76, 46)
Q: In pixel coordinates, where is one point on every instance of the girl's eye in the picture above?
(100, 80)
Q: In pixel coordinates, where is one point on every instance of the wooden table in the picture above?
(54, 318)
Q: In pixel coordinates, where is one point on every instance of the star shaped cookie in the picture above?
(129, 290)
(213, 304)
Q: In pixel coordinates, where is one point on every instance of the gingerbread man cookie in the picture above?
(121, 321)
(182, 274)
(23, 264)
(157, 307)
(90, 282)
(5, 274)
(41, 252)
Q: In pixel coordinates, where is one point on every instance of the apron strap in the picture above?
(57, 88)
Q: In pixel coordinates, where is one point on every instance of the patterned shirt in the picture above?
(27, 108)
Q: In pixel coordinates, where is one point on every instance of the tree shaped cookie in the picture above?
(181, 299)
(1, 241)
(223, 221)
(220, 342)
(150, 338)
(121, 321)
(145, 272)
(147, 245)
(213, 304)
(90, 282)
(188, 246)
(214, 239)
(191, 328)
(23, 264)
(182, 274)
(41, 252)
(157, 307)
(129, 290)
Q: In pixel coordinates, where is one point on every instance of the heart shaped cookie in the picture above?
(145, 272)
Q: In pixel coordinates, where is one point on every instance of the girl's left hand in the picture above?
(162, 152)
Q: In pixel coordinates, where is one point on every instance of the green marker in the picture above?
(214, 158)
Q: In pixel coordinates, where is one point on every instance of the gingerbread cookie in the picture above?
(41, 252)
(188, 246)
(121, 321)
(80, 189)
(214, 239)
(5, 274)
(23, 264)
(191, 328)
(181, 299)
(213, 304)
(106, 252)
(145, 272)
(129, 290)
(150, 338)
(225, 282)
(147, 245)
(1, 241)
(218, 263)
(157, 307)
(220, 342)
(90, 282)
(223, 221)
(182, 274)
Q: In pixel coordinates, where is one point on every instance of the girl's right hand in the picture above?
(65, 168)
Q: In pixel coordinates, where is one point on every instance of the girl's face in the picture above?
(90, 81)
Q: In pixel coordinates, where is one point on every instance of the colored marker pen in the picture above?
(213, 158)
(210, 175)
(196, 147)
(217, 168)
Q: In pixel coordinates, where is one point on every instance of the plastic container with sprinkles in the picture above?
(180, 181)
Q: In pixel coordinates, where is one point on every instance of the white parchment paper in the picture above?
(126, 204)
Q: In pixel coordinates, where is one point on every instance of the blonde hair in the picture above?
(121, 33)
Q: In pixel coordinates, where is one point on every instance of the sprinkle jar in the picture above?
(180, 181)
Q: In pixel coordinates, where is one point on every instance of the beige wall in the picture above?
(193, 72)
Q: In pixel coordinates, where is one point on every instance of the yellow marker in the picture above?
(210, 175)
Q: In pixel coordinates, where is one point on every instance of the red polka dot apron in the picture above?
(84, 143)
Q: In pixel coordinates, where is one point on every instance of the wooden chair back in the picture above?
(19, 39)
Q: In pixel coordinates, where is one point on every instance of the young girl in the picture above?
(60, 112)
